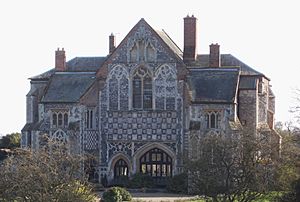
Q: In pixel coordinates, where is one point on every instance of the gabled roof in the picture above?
(68, 86)
(213, 85)
(227, 60)
(172, 45)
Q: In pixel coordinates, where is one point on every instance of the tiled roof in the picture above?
(85, 64)
(213, 84)
(31, 126)
(227, 60)
(77, 64)
(45, 75)
(68, 86)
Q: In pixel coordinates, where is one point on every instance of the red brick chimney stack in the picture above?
(214, 55)
(60, 60)
(112, 43)
(190, 39)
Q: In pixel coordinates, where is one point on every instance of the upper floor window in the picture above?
(90, 117)
(60, 119)
(142, 89)
(212, 119)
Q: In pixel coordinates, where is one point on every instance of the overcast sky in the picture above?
(262, 33)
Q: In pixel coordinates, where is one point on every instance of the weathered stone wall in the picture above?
(263, 100)
(248, 109)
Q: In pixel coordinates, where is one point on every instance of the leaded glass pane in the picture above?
(137, 92)
(60, 119)
(147, 93)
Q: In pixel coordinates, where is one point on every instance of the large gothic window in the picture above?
(121, 169)
(156, 163)
(142, 89)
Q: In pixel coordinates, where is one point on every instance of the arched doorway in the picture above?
(120, 170)
(157, 164)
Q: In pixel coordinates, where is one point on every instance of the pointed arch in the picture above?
(59, 136)
(150, 146)
(113, 162)
(142, 88)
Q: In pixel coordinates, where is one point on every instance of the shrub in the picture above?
(116, 194)
(140, 180)
(177, 184)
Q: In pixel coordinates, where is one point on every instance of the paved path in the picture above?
(157, 197)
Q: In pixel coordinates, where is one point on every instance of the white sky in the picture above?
(264, 34)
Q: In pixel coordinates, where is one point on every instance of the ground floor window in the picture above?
(121, 169)
(156, 163)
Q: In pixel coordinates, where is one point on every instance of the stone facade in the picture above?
(144, 108)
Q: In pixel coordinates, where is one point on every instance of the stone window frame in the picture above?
(90, 118)
(59, 118)
(143, 74)
(213, 119)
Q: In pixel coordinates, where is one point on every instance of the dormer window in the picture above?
(142, 89)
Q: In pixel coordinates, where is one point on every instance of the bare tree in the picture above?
(50, 174)
(236, 168)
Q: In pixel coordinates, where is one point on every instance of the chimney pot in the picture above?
(214, 55)
(60, 60)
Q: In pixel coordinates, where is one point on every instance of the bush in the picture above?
(177, 184)
(140, 180)
(116, 194)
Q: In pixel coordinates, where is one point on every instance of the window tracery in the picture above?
(59, 136)
(60, 119)
(142, 89)
(212, 119)
(142, 47)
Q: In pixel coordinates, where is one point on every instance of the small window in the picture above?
(90, 119)
(66, 120)
(213, 119)
(60, 119)
(54, 120)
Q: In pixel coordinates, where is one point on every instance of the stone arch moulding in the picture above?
(60, 135)
(141, 151)
(112, 162)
